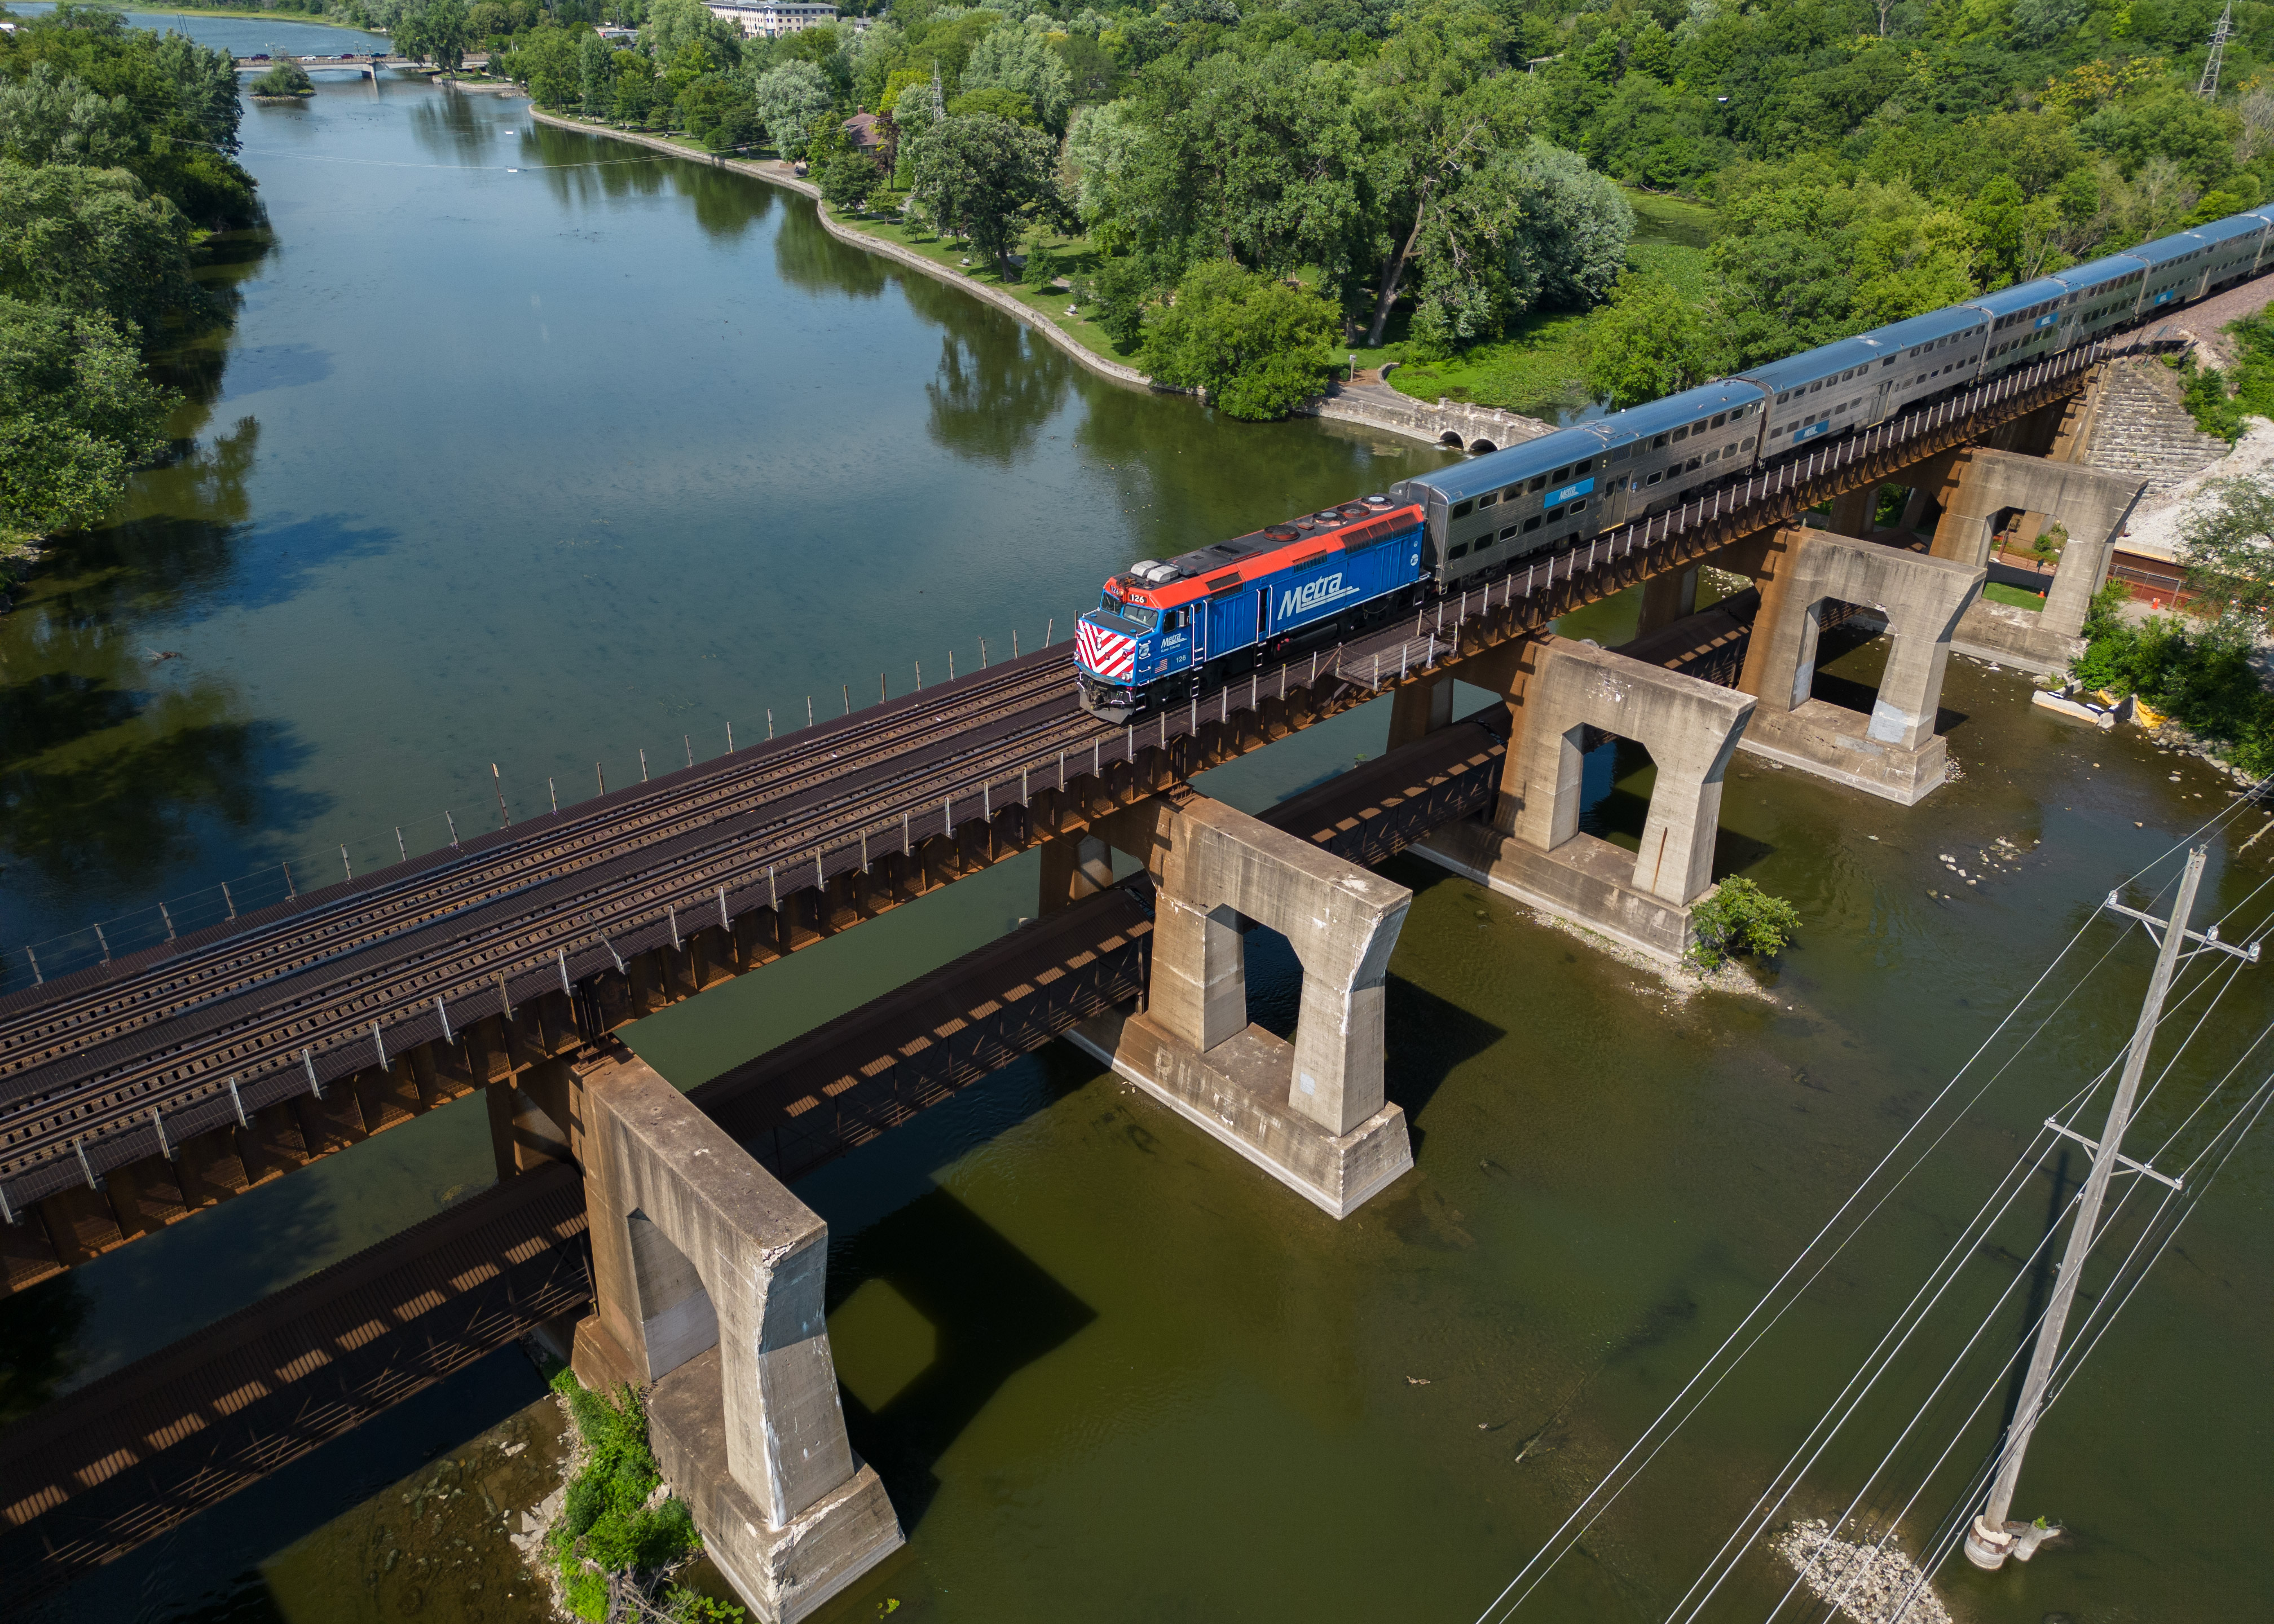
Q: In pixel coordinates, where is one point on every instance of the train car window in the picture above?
(1655, 478)
(1781, 399)
(1655, 444)
(1532, 524)
(1513, 492)
(1748, 445)
(1509, 531)
(1681, 434)
(1813, 387)
(1691, 464)
(1719, 418)
(1552, 514)
(1561, 474)
(1537, 484)
(1713, 457)
(1463, 510)
(1578, 506)
(1580, 468)
(1460, 552)
(1489, 499)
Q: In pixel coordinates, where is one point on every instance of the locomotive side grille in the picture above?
(1109, 654)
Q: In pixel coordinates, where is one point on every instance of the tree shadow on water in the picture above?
(991, 1313)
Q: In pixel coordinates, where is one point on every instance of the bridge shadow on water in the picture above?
(987, 1310)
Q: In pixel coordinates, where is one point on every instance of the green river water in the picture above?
(532, 449)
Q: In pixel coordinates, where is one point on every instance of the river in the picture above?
(530, 448)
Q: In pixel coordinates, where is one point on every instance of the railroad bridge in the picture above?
(138, 1093)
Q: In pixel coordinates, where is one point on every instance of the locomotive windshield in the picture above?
(1138, 613)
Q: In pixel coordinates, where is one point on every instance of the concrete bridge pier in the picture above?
(1894, 753)
(1311, 1113)
(1534, 850)
(707, 1278)
(1979, 487)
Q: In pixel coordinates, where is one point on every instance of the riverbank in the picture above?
(1377, 408)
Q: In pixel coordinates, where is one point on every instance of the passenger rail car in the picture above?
(1174, 627)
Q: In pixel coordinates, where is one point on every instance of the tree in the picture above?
(95, 240)
(1018, 59)
(50, 118)
(1005, 104)
(1740, 918)
(1529, 227)
(76, 417)
(984, 178)
(285, 79)
(2227, 544)
(596, 77)
(435, 32)
(1257, 346)
(789, 98)
(1648, 342)
(1260, 159)
(846, 180)
(1446, 110)
(546, 61)
(1103, 151)
(670, 26)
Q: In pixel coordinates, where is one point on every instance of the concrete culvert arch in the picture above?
(1480, 446)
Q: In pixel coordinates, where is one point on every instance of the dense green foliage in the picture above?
(2221, 400)
(2198, 673)
(286, 78)
(115, 148)
(1442, 171)
(1739, 917)
(607, 1525)
(1257, 346)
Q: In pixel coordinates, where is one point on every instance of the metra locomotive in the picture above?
(1167, 630)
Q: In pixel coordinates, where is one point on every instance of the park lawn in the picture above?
(1074, 255)
(1537, 370)
(2019, 597)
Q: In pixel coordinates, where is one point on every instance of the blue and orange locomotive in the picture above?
(1165, 631)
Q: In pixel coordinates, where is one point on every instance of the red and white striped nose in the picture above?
(1110, 654)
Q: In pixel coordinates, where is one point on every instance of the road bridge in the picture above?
(140, 1091)
(362, 66)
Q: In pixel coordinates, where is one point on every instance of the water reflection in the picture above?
(39, 1333)
(994, 391)
(807, 258)
(450, 126)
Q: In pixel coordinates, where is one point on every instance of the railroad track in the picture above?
(288, 1000)
(334, 982)
(440, 884)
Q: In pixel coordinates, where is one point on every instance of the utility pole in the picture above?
(2207, 86)
(1991, 1538)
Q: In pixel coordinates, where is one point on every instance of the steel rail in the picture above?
(377, 908)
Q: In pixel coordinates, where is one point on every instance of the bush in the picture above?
(606, 1526)
(1740, 918)
(2198, 673)
(1257, 346)
(286, 78)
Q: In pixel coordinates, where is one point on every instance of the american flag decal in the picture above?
(1109, 654)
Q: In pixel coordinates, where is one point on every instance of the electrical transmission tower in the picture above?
(1992, 1538)
(2208, 87)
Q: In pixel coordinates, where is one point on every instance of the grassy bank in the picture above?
(1074, 257)
(2197, 673)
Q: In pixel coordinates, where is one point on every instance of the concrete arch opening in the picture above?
(1817, 583)
(1618, 776)
(1451, 439)
(1479, 447)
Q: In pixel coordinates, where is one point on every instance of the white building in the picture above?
(774, 17)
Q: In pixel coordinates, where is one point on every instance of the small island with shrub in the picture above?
(286, 81)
